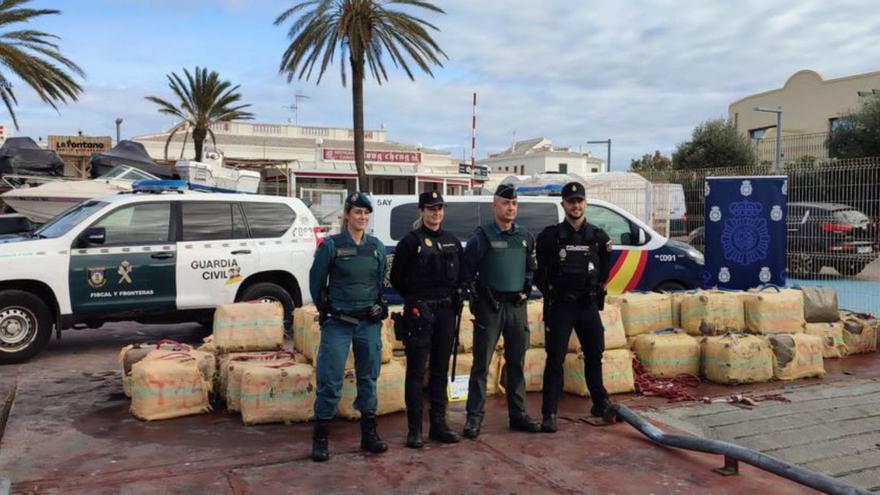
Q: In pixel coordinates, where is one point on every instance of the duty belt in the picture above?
(353, 316)
(507, 297)
(435, 302)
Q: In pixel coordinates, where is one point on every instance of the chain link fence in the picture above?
(833, 221)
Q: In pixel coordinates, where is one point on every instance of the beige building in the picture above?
(810, 107)
(539, 156)
(322, 157)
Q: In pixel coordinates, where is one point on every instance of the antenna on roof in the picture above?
(297, 97)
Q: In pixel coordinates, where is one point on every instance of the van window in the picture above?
(613, 223)
(204, 221)
(461, 219)
(268, 219)
(141, 223)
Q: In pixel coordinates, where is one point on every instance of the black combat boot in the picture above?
(320, 442)
(524, 423)
(549, 424)
(472, 427)
(440, 431)
(414, 435)
(602, 408)
(370, 440)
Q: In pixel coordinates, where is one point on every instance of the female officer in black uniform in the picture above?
(426, 273)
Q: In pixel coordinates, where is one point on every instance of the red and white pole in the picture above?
(474, 143)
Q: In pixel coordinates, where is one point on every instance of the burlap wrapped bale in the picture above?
(774, 310)
(645, 312)
(283, 393)
(206, 363)
(617, 373)
(465, 363)
(168, 387)
(833, 345)
(390, 389)
(859, 333)
(675, 298)
(668, 352)
(134, 353)
(533, 370)
(310, 342)
(249, 326)
(303, 318)
(235, 368)
(796, 355)
(207, 345)
(737, 358)
(712, 312)
(535, 317)
(820, 304)
(615, 335)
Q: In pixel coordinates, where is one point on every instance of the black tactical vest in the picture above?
(436, 269)
(577, 268)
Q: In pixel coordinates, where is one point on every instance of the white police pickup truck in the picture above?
(152, 257)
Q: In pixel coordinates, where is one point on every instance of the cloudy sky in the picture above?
(642, 73)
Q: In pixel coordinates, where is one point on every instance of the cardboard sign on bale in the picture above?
(617, 373)
(773, 310)
(712, 312)
(282, 393)
(737, 358)
(615, 335)
(833, 345)
(820, 304)
(859, 334)
(389, 389)
(796, 356)
(463, 367)
(668, 352)
(645, 312)
(237, 366)
(248, 326)
(167, 387)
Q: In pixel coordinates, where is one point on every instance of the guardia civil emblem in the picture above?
(776, 213)
(764, 275)
(124, 271)
(96, 277)
(724, 275)
(707, 189)
(746, 188)
(563, 253)
(715, 214)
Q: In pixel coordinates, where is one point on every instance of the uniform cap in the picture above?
(506, 191)
(574, 190)
(432, 198)
(360, 200)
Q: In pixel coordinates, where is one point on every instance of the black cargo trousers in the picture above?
(559, 320)
(431, 345)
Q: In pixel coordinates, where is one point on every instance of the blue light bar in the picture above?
(159, 185)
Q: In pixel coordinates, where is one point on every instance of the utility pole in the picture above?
(608, 156)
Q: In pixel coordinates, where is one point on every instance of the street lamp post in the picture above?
(778, 112)
(608, 160)
(118, 127)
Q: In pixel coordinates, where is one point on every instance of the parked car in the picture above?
(823, 234)
(642, 259)
(153, 258)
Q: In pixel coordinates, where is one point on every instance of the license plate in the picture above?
(865, 249)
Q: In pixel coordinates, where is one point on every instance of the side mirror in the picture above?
(93, 236)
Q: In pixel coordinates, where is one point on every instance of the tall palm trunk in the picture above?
(357, 97)
(199, 135)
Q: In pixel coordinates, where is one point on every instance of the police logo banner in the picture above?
(745, 235)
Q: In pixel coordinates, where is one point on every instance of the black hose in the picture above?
(798, 474)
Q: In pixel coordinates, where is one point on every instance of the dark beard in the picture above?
(573, 219)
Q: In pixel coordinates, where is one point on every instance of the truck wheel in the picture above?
(269, 292)
(25, 326)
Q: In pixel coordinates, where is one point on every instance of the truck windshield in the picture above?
(62, 224)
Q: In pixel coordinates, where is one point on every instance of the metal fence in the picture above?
(833, 215)
(797, 147)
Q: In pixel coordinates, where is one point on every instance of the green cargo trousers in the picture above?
(510, 321)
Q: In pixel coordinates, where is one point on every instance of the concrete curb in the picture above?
(5, 408)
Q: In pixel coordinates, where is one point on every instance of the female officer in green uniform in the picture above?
(346, 281)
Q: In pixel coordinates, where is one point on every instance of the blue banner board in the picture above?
(745, 233)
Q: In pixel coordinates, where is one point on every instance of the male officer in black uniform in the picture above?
(499, 264)
(573, 259)
(427, 273)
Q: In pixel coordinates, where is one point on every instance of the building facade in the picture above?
(811, 106)
(539, 156)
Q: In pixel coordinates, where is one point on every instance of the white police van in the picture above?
(153, 257)
(642, 259)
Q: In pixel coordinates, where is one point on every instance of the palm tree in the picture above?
(368, 33)
(204, 100)
(35, 58)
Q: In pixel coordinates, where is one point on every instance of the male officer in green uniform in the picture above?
(499, 262)
(346, 282)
